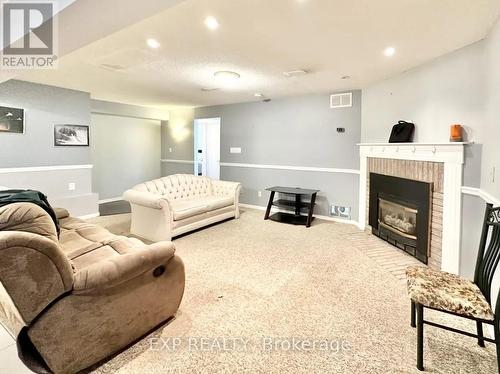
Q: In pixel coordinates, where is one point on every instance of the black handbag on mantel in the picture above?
(402, 132)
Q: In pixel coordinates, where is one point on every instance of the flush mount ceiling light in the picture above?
(211, 23)
(226, 78)
(153, 43)
(258, 94)
(389, 51)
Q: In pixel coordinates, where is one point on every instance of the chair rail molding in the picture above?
(43, 168)
(474, 191)
(289, 167)
(171, 161)
(452, 156)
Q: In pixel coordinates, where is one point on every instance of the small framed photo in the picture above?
(71, 135)
(11, 120)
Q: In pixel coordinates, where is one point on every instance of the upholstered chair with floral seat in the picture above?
(450, 293)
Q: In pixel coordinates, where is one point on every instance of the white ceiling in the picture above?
(260, 39)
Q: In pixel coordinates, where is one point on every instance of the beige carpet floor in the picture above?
(268, 283)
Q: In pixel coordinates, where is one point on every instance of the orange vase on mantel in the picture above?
(456, 133)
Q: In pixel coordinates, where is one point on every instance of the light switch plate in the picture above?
(71, 186)
(235, 150)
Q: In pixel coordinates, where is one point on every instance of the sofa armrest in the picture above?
(224, 188)
(119, 269)
(146, 199)
(61, 213)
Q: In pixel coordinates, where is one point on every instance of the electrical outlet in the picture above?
(71, 186)
(259, 193)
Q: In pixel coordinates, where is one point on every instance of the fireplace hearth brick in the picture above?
(425, 171)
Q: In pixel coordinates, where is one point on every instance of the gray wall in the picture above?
(126, 110)
(460, 87)
(44, 107)
(473, 208)
(125, 151)
(445, 91)
(177, 135)
(491, 158)
(299, 131)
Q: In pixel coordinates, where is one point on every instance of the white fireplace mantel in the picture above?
(452, 156)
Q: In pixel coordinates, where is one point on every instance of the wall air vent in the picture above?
(112, 67)
(295, 73)
(343, 100)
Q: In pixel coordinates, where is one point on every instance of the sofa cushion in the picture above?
(217, 202)
(187, 208)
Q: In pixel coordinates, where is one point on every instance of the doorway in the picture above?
(207, 147)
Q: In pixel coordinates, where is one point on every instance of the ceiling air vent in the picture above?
(343, 100)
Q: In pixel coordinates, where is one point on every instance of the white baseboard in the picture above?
(89, 216)
(326, 218)
(110, 200)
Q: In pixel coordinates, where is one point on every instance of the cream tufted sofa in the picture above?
(173, 205)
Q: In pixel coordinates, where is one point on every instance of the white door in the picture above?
(207, 147)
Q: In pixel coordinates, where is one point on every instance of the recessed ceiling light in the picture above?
(226, 78)
(211, 23)
(153, 43)
(389, 51)
(258, 94)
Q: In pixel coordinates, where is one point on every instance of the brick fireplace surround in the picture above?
(424, 171)
(440, 164)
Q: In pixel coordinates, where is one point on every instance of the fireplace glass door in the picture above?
(398, 218)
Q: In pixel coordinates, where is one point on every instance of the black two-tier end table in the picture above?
(297, 204)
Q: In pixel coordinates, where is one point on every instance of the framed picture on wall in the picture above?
(11, 120)
(71, 135)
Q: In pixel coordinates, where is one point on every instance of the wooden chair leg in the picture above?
(420, 336)
(480, 340)
(412, 323)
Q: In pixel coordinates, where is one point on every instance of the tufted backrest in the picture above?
(178, 186)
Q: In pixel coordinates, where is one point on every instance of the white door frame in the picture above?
(201, 125)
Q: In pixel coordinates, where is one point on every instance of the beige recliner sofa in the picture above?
(173, 205)
(78, 299)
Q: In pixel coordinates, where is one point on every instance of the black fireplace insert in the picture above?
(400, 213)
